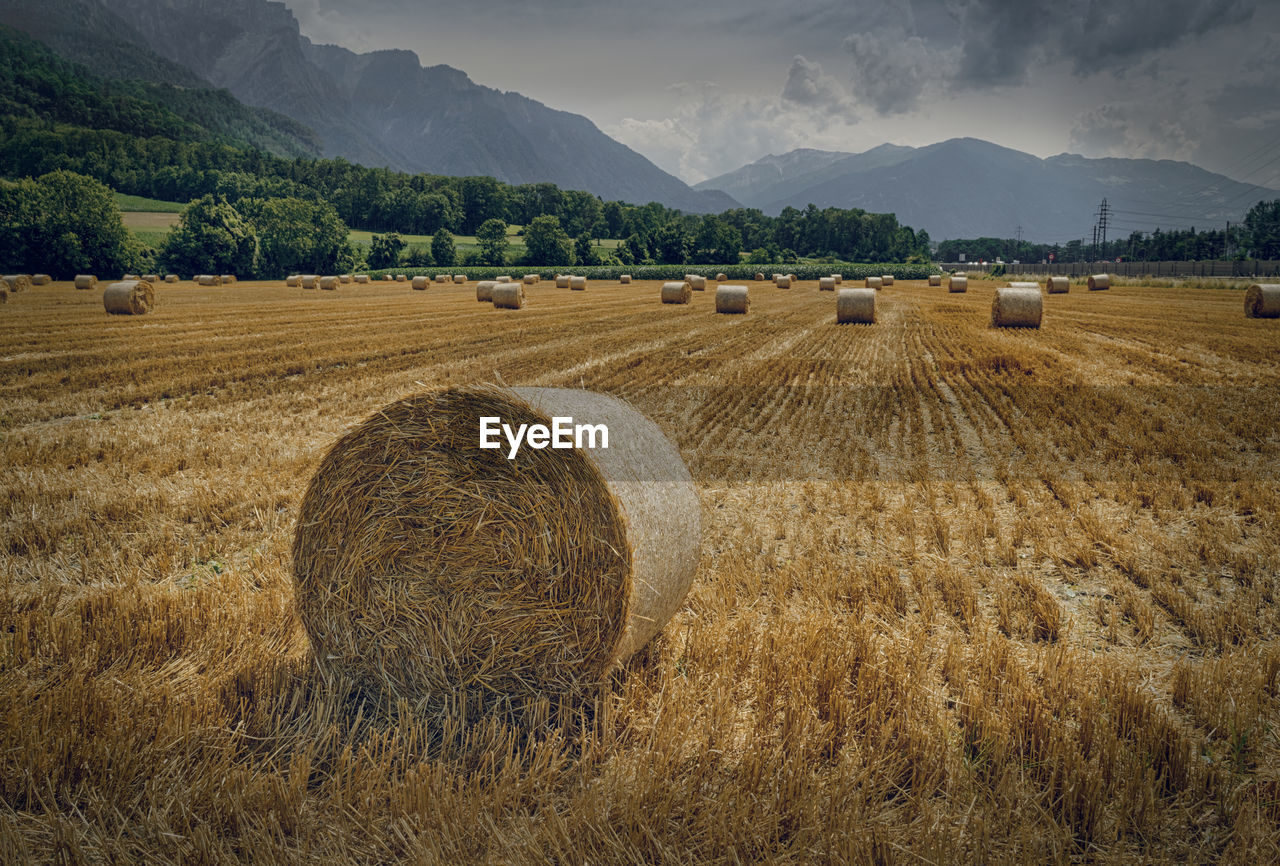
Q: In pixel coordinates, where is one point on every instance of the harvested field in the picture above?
(966, 594)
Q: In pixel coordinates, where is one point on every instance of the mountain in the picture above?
(380, 108)
(966, 188)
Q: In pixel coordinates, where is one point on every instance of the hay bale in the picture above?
(1262, 301)
(428, 569)
(329, 284)
(1099, 282)
(129, 298)
(839, 278)
(293, 281)
(171, 278)
(459, 278)
(759, 277)
(887, 280)
(1023, 285)
(401, 278)
(935, 279)
(228, 279)
(578, 284)
(720, 278)
(17, 282)
(443, 278)
(214, 280)
(420, 283)
(1057, 285)
(344, 278)
(508, 296)
(387, 278)
(782, 281)
(531, 279)
(151, 278)
(562, 281)
(360, 278)
(676, 292)
(875, 283)
(1017, 307)
(502, 279)
(40, 279)
(732, 299)
(856, 306)
(310, 281)
(794, 279)
(958, 284)
(777, 277)
(696, 282)
(86, 281)
(127, 277)
(484, 290)
(826, 284)
(625, 279)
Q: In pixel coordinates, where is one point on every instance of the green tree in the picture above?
(546, 243)
(211, 238)
(583, 253)
(419, 257)
(492, 236)
(1262, 226)
(297, 236)
(64, 223)
(671, 244)
(443, 249)
(636, 248)
(384, 250)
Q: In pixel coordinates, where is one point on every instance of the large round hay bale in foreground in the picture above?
(732, 299)
(17, 282)
(1262, 301)
(1017, 307)
(782, 281)
(957, 285)
(508, 296)
(310, 281)
(129, 298)
(1098, 282)
(171, 278)
(86, 281)
(875, 283)
(420, 283)
(826, 284)
(40, 279)
(625, 279)
(1057, 285)
(935, 279)
(484, 290)
(429, 569)
(329, 284)
(578, 284)
(856, 306)
(459, 278)
(562, 281)
(676, 292)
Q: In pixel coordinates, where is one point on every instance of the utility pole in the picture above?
(1104, 213)
(1095, 242)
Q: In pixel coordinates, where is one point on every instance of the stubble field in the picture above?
(965, 593)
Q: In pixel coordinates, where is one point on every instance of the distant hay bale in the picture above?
(759, 277)
(1024, 285)
(777, 277)
(127, 277)
(215, 280)
(856, 306)
(1262, 301)
(1099, 282)
(794, 278)
(17, 282)
(732, 299)
(720, 278)
(310, 281)
(531, 279)
(151, 278)
(129, 298)
(782, 281)
(387, 278)
(40, 279)
(401, 278)
(171, 278)
(459, 278)
(228, 279)
(839, 278)
(958, 284)
(826, 284)
(578, 284)
(329, 284)
(420, 283)
(875, 282)
(484, 290)
(502, 279)
(562, 281)
(1057, 285)
(625, 279)
(935, 279)
(293, 281)
(360, 278)
(86, 281)
(676, 292)
(508, 296)
(696, 282)
(344, 278)
(443, 278)
(887, 280)
(430, 570)
(1017, 307)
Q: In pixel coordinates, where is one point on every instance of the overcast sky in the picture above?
(704, 87)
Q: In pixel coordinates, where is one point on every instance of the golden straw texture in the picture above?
(856, 306)
(1262, 301)
(129, 298)
(732, 299)
(1017, 307)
